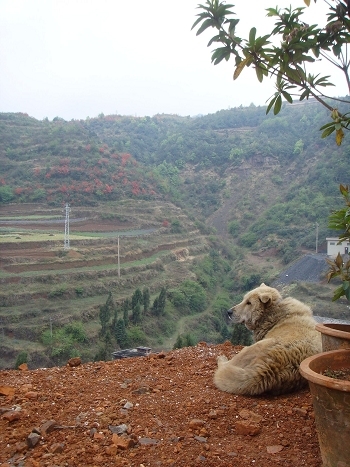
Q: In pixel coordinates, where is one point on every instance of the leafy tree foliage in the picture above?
(137, 298)
(136, 317)
(189, 296)
(22, 357)
(158, 307)
(106, 312)
(120, 334)
(241, 335)
(6, 194)
(184, 340)
(65, 342)
(340, 221)
(126, 307)
(299, 45)
(146, 299)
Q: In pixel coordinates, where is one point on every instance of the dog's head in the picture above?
(254, 305)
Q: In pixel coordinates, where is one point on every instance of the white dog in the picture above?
(284, 334)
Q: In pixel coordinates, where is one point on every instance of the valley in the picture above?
(204, 208)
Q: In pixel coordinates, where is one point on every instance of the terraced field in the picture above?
(43, 284)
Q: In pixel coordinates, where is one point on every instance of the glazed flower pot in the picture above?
(331, 401)
(334, 336)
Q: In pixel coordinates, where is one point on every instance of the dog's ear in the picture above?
(265, 298)
(262, 285)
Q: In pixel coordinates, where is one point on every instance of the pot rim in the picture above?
(318, 378)
(326, 328)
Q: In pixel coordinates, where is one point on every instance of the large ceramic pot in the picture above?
(331, 401)
(334, 336)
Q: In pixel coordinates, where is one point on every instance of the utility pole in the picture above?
(66, 228)
(118, 259)
(316, 237)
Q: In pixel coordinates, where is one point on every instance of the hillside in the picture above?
(165, 408)
(222, 203)
(45, 286)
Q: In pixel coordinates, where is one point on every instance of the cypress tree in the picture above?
(146, 299)
(161, 301)
(120, 334)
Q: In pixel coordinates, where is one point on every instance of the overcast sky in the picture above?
(79, 58)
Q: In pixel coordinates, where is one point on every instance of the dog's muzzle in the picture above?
(230, 314)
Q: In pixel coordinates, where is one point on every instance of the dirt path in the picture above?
(183, 325)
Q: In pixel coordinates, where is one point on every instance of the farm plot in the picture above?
(41, 279)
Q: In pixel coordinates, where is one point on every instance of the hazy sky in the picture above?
(80, 58)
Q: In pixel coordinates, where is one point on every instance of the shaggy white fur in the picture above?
(284, 334)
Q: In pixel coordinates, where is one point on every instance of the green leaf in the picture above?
(272, 101)
(304, 94)
(292, 74)
(252, 34)
(207, 24)
(339, 292)
(219, 54)
(278, 105)
(259, 73)
(328, 131)
(327, 125)
(287, 97)
(347, 293)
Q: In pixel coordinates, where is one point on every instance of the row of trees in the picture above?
(120, 324)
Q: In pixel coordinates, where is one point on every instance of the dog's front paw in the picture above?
(221, 359)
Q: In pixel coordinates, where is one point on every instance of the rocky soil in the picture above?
(160, 410)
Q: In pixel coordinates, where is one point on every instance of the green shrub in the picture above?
(22, 357)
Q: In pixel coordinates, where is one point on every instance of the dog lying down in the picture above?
(284, 334)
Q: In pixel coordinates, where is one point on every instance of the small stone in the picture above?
(141, 390)
(147, 441)
(249, 415)
(57, 448)
(300, 411)
(201, 439)
(23, 367)
(12, 416)
(112, 450)
(33, 439)
(196, 423)
(274, 449)
(47, 427)
(213, 414)
(128, 405)
(161, 354)
(123, 442)
(118, 429)
(21, 447)
(33, 395)
(7, 391)
(98, 435)
(76, 361)
(246, 427)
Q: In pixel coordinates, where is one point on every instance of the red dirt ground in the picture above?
(168, 406)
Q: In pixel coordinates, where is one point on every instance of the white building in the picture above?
(334, 247)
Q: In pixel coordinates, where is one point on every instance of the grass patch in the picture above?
(30, 217)
(35, 236)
